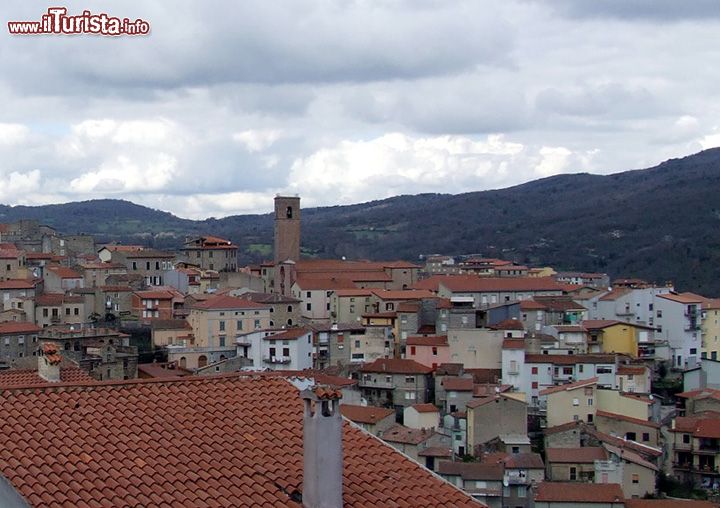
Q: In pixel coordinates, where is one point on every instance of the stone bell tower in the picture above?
(287, 228)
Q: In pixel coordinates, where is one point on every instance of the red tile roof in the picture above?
(583, 455)
(569, 386)
(402, 434)
(683, 297)
(290, 334)
(508, 324)
(709, 428)
(425, 408)
(458, 384)
(615, 294)
(523, 461)
(16, 284)
(29, 377)
(18, 327)
(475, 284)
(427, 341)
(408, 294)
(634, 370)
(213, 441)
(396, 366)
(228, 302)
(531, 305)
(63, 272)
(369, 415)
(629, 419)
(561, 492)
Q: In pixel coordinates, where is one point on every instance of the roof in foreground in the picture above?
(223, 440)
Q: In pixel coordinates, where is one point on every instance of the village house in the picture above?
(395, 383)
(95, 273)
(156, 304)
(373, 419)
(421, 416)
(288, 350)
(573, 464)
(55, 308)
(212, 253)
(428, 351)
(497, 416)
(586, 495)
(58, 279)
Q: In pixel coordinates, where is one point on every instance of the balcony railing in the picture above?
(376, 384)
(276, 359)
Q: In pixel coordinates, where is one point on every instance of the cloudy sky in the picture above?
(225, 104)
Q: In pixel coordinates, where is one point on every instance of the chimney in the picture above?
(322, 448)
(49, 360)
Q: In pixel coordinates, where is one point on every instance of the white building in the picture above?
(678, 319)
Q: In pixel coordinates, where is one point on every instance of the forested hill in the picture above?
(661, 224)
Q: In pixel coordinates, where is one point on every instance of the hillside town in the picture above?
(151, 377)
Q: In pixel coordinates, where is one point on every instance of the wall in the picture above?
(476, 348)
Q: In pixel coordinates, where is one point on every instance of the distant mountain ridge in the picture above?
(661, 224)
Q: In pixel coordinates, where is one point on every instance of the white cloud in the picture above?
(12, 133)
(257, 140)
(17, 186)
(127, 175)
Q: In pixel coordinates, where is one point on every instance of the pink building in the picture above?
(428, 351)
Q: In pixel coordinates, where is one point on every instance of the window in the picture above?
(21, 340)
(286, 351)
(357, 343)
(222, 326)
(693, 350)
(590, 417)
(45, 313)
(67, 311)
(458, 437)
(535, 385)
(388, 379)
(576, 402)
(257, 324)
(434, 351)
(581, 368)
(76, 311)
(134, 265)
(7, 341)
(222, 340)
(515, 449)
(567, 371)
(635, 478)
(409, 379)
(239, 324)
(308, 306)
(272, 352)
(289, 308)
(604, 370)
(646, 437)
(686, 438)
(588, 390)
(590, 402)
(409, 395)
(147, 265)
(659, 313)
(631, 436)
(308, 294)
(412, 350)
(534, 370)
(573, 473)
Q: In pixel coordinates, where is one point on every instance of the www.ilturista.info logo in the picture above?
(57, 21)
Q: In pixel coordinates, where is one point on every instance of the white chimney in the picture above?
(49, 360)
(322, 448)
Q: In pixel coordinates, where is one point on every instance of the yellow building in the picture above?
(711, 329)
(217, 321)
(544, 271)
(609, 336)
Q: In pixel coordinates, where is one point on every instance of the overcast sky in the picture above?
(225, 104)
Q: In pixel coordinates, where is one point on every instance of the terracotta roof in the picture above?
(583, 455)
(402, 434)
(435, 451)
(683, 297)
(408, 294)
(425, 408)
(396, 366)
(615, 293)
(18, 327)
(290, 334)
(19, 378)
(365, 414)
(458, 384)
(353, 292)
(634, 370)
(524, 461)
(16, 284)
(570, 328)
(579, 492)
(513, 344)
(228, 302)
(531, 305)
(427, 341)
(686, 424)
(569, 386)
(643, 449)
(154, 294)
(629, 419)
(175, 442)
(472, 470)
(409, 307)
(709, 428)
(63, 272)
(475, 284)
(562, 427)
(704, 393)
(630, 456)
(508, 324)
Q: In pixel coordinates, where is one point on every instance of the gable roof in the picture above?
(425, 408)
(570, 386)
(629, 419)
(8, 327)
(197, 441)
(441, 340)
(683, 297)
(582, 455)
(457, 384)
(569, 492)
(396, 366)
(365, 414)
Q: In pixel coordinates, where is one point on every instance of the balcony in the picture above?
(516, 478)
(276, 359)
(382, 385)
